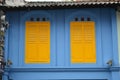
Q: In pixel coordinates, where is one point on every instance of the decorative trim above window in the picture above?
(39, 19)
(82, 19)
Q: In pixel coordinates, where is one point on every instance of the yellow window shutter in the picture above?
(82, 39)
(37, 43)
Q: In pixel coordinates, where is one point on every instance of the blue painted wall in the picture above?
(60, 66)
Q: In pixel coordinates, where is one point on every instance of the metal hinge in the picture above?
(8, 63)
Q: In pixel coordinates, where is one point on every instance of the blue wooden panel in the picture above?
(106, 36)
(36, 14)
(114, 38)
(60, 76)
(106, 45)
(95, 16)
(60, 36)
(12, 39)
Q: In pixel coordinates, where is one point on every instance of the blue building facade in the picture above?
(60, 67)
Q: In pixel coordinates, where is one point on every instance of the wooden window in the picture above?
(83, 45)
(37, 43)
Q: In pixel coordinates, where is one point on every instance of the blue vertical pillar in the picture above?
(115, 73)
(60, 25)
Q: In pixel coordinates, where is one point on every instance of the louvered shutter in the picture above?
(37, 43)
(82, 40)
